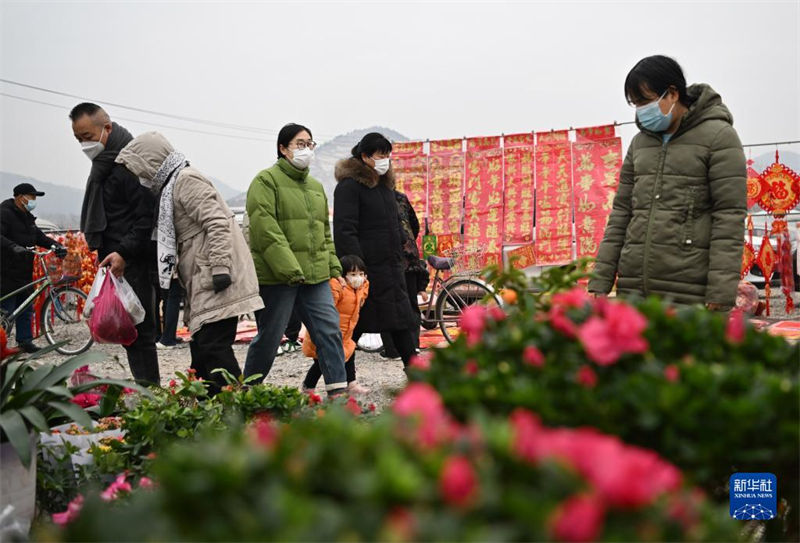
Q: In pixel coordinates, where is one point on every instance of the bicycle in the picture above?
(61, 316)
(450, 297)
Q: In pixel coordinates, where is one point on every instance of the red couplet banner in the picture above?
(518, 194)
(407, 148)
(483, 205)
(483, 144)
(445, 192)
(554, 136)
(411, 178)
(553, 204)
(446, 146)
(595, 174)
(595, 133)
(524, 139)
(522, 257)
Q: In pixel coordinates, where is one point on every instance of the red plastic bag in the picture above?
(110, 321)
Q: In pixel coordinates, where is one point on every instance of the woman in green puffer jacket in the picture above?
(676, 228)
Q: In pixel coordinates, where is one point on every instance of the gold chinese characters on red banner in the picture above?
(781, 190)
(445, 192)
(522, 257)
(554, 136)
(524, 139)
(596, 166)
(595, 133)
(483, 204)
(446, 146)
(483, 144)
(411, 178)
(407, 148)
(518, 194)
(553, 204)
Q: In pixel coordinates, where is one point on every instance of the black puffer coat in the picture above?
(366, 223)
(18, 227)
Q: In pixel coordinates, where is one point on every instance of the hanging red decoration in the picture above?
(755, 185)
(766, 260)
(749, 253)
(780, 229)
(781, 188)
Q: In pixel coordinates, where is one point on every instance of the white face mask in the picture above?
(354, 280)
(381, 165)
(301, 158)
(93, 148)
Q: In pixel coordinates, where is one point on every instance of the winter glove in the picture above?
(20, 250)
(221, 282)
(60, 251)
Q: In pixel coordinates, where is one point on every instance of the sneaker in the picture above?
(354, 388)
(307, 390)
(28, 347)
(161, 347)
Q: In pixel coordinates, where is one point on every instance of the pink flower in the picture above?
(73, 509)
(419, 399)
(527, 432)
(371, 407)
(618, 332)
(421, 361)
(172, 383)
(146, 482)
(533, 356)
(577, 297)
(587, 377)
(472, 322)
(672, 373)
(457, 482)
(352, 406)
(471, 367)
(497, 313)
(114, 490)
(735, 330)
(263, 430)
(579, 518)
(561, 322)
(86, 399)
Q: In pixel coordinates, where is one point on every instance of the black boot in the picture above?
(29, 347)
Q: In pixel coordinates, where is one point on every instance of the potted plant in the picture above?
(32, 399)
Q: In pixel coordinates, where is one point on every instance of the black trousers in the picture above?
(315, 372)
(293, 328)
(211, 348)
(142, 357)
(412, 287)
(403, 341)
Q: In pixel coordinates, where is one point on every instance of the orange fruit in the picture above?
(509, 296)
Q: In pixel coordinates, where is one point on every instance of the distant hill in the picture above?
(326, 156)
(61, 205)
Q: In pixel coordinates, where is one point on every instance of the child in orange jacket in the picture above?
(348, 301)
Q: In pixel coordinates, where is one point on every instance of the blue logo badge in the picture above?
(754, 496)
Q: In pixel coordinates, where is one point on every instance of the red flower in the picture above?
(471, 367)
(172, 383)
(561, 322)
(457, 482)
(533, 356)
(579, 518)
(419, 399)
(421, 361)
(527, 431)
(472, 322)
(114, 490)
(587, 377)
(735, 331)
(577, 297)
(146, 482)
(618, 332)
(86, 399)
(73, 509)
(352, 406)
(372, 407)
(672, 373)
(497, 313)
(313, 398)
(263, 430)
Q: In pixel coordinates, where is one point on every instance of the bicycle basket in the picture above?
(466, 260)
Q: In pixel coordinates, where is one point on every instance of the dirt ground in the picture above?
(383, 377)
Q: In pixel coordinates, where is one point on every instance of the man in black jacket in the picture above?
(18, 231)
(117, 220)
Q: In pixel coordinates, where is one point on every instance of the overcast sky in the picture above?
(428, 70)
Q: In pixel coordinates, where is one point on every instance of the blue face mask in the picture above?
(651, 118)
(30, 205)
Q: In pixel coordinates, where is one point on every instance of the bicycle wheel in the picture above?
(455, 297)
(62, 320)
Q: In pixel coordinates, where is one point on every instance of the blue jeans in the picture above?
(314, 306)
(23, 322)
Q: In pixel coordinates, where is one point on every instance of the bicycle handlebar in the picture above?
(41, 253)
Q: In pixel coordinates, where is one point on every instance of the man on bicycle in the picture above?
(18, 231)
(117, 220)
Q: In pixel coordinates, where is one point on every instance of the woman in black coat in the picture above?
(366, 224)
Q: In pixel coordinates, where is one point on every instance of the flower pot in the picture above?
(18, 485)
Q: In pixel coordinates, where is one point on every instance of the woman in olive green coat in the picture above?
(676, 228)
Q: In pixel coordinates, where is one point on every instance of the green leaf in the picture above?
(73, 412)
(35, 417)
(13, 373)
(18, 435)
(109, 401)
